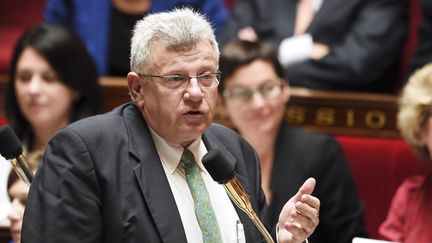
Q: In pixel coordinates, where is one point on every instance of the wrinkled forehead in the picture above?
(159, 50)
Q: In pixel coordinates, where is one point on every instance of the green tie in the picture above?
(203, 207)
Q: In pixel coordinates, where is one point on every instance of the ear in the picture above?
(135, 89)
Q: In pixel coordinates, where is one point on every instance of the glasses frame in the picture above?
(253, 90)
(182, 82)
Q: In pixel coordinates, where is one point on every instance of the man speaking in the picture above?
(135, 174)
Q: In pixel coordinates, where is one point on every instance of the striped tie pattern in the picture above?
(203, 207)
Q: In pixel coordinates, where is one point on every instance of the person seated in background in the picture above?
(327, 44)
(52, 82)
(409, 217)
(423, 52)
(105, 26)
(255, 95)
(17, 190)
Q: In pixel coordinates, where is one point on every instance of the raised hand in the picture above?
(300, 215)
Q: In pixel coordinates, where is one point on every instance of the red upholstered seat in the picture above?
(378, 166)
(15, 18)
(2, 121)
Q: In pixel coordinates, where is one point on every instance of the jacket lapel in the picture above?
(152, 180)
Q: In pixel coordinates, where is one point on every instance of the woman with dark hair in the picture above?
(255, 95)
(52, 82)
(63, 62)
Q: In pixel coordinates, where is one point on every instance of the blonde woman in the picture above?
(409, 218)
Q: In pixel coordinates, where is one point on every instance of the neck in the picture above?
(263, 142)
(42, 135)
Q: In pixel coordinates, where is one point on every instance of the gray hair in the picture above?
(177, 30)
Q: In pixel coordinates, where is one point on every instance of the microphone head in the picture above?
(10, 145)
(220, 169)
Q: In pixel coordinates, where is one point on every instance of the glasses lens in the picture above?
(209, 79)
(174, 82)
(239, 94)
(270, 89)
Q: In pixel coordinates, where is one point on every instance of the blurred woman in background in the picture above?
(52, 82)
(410, 216)
(255, 97)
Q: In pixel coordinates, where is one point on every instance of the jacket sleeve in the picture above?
(242, 14)
(369, 47)
(64, 199)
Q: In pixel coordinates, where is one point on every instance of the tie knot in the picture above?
(187, 157)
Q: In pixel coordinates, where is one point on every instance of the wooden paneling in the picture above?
(347, 113)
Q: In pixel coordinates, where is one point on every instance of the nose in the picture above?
(34, 85)
(16, 211)
(193, 90)
(258, 100)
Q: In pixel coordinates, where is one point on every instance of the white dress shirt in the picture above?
(226, 214)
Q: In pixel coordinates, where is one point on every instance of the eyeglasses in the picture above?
(268, 90)
(206, 80)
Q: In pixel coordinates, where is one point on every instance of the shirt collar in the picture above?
(170, 154)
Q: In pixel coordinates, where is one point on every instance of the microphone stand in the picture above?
(222, 171)
(20, 166)
(236, 193)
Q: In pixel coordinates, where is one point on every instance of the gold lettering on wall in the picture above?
(350, 122)
(375, 119)
(325, 116)
(295, 114)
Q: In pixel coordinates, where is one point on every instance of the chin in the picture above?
(195, 131)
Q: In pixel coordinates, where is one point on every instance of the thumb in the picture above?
(307, 188)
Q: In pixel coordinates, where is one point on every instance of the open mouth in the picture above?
(194, 113)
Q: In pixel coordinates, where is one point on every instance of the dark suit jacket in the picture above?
(300, 155)
(101, 180)
(365, 38)
(423, 52)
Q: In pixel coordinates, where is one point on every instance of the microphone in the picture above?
(222, 171)
(11, 149)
